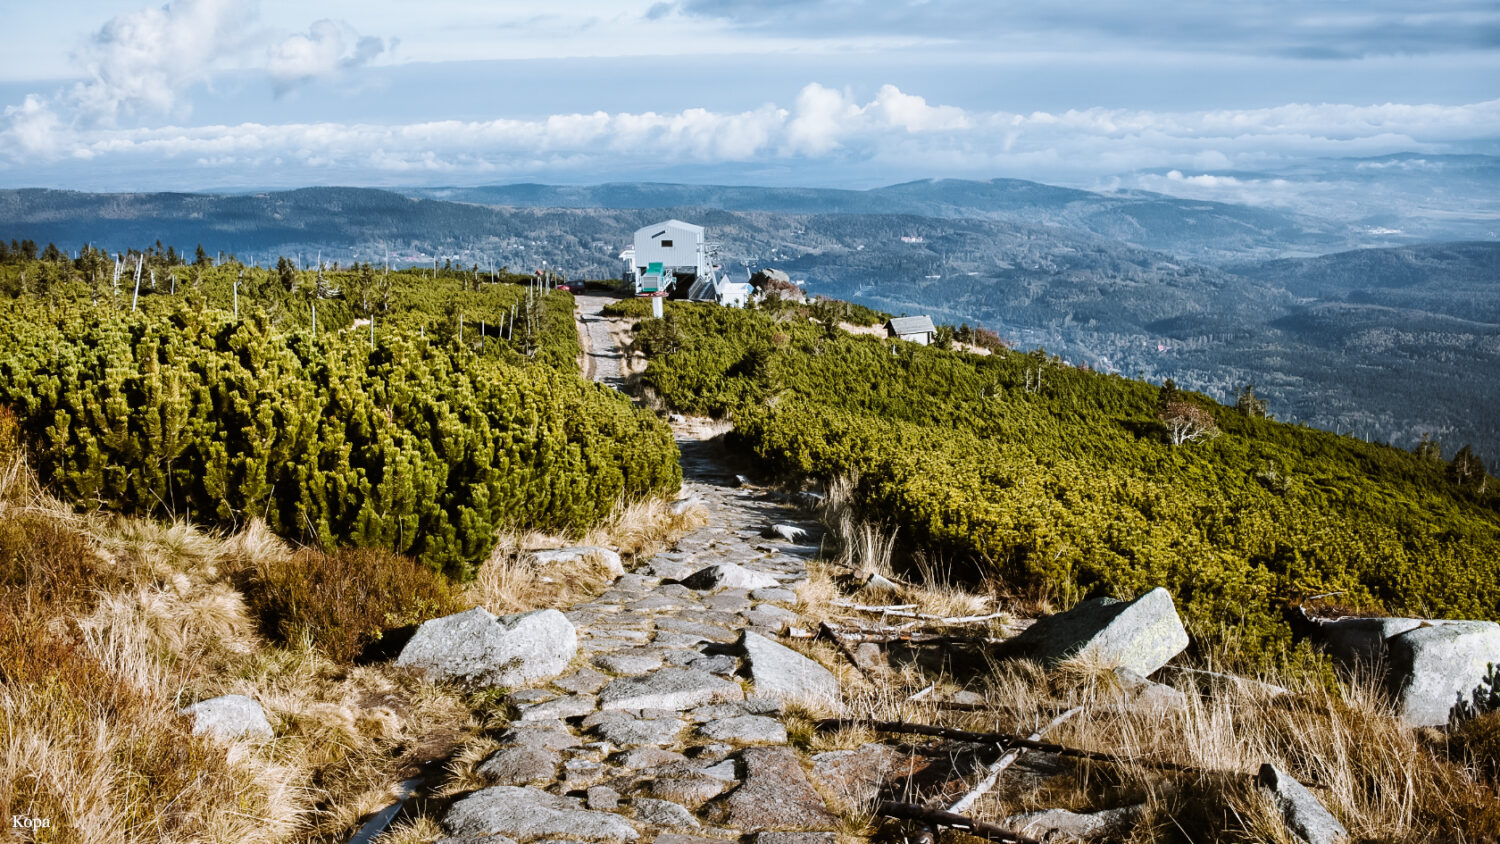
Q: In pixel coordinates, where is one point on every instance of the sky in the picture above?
(212, 94)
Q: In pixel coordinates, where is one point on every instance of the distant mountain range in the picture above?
(1387, 343)
(1206, 231)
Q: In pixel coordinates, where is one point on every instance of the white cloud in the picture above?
(892, 135)
(326, 48)
(141, 61)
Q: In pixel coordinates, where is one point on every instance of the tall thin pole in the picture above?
(137, 295)
(237, 294)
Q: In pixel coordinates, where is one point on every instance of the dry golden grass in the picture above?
(512, 580)
(108, 626)
(1385, 782)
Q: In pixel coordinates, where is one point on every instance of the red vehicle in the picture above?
(571, 286)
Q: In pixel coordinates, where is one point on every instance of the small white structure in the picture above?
(672, 257)
(916, 329)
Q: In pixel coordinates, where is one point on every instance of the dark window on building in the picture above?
(666, 243)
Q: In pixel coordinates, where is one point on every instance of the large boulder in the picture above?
(775, 794)
(477, 649)
(1305, 817)
(1360, 642)
(1434, 669)
(1141, 635)
(780, 672)
(229, 717)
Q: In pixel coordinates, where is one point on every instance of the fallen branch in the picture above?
(937, 817)
(924, 693)
(992, 775)
(1004, 740)
(904, 611)
(832, 633)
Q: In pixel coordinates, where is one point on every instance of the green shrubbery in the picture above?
(1059, 481)
(425, 441)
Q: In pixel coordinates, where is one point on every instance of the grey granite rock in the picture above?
(663, 813)
(1062, 825)
(585, 681)
(669, 688)
(780, 672)
(603, 798)
(745, 729)
(728, 576)
(1142, 695)
(229, 717)
(1361, 642)
(775, 795)
(855, 776)
(571, 706)
(1304, 815)
(631, 661)
(551, 736)
(649, 757)
(478, 649)
(1141, 635)
(609, 559)
(529, 813)
(1433, 669)
(625, 731)
(521, 766)
(775, 594)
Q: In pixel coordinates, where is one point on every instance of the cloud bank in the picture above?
(895, 133)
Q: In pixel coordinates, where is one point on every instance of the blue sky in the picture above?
(203, 94)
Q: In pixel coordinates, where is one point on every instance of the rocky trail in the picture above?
(658, 711)
(666, 727)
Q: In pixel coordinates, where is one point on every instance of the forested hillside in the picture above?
(419, 413)
(1066, 483)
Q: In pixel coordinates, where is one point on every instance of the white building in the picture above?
(673, 257)
(917, 329)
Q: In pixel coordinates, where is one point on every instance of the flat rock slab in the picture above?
(663, 813)
(1304, 815)
(1141, 635)
(625, 731)
(551, 737)
(856, 776)
(795, 838)
(1432, 669)
(584, 681)
(745, 729)
(529, 813)
(728, 576)
(669, 688)
(780, 672)
(477, 649)
(571, 706)
(630, 661)
(775, 795)
(607, 558)
(1063, 825)
(521, 766)
(229, 717)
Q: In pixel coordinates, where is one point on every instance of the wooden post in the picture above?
(237, 280)
(137, 295)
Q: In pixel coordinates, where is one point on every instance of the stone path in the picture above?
(664, 729)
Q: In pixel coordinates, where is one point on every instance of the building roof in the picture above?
(902, 326)
(676, 224)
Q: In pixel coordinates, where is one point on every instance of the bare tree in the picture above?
(1188, 423)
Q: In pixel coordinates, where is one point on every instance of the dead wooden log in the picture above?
(938, 817)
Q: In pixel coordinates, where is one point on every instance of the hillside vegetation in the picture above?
(458, 414)
(1057, 482)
